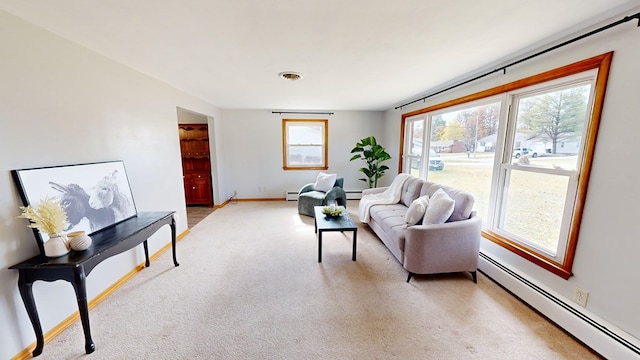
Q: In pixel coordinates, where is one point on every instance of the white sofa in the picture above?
(434, 248)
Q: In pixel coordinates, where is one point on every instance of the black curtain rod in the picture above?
(302, 112)
(504, 68)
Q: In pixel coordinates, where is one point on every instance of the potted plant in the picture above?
(373, 154)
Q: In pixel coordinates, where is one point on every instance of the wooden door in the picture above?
(196, 164)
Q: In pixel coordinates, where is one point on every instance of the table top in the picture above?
(102, 241)
(337, 223)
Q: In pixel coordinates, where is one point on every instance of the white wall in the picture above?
(607, 252)
(62, 104)
(253, 140)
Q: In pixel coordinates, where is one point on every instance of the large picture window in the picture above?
(304, 144)
(523, 150)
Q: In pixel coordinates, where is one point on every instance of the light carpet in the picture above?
(249, 287)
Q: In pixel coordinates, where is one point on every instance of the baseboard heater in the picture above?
(564, 305)
(351, 195)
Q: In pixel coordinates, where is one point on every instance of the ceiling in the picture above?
(354, 55)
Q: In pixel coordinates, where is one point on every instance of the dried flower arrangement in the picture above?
(48, 216)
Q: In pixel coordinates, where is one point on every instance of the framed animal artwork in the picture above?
(94, 196)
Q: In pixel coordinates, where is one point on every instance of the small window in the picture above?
(304, 144)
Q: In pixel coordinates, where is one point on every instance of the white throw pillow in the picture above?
(325, 182)
(416, 211)
(440, 208)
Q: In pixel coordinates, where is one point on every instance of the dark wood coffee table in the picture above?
(340, 223)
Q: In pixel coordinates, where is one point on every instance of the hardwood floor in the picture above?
(196, 213)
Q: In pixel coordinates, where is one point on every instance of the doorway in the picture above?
(195, 151)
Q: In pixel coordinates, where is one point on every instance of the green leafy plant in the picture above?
(373, 154)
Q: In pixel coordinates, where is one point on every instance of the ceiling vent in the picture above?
(290, 75)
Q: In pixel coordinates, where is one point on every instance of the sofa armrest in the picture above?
(374, 190)
(337, 193)
(442, 248)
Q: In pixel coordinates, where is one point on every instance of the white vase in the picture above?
(79, 240)
(56, 246)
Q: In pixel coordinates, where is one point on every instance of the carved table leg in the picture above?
(79, 284)
(26, 292)
(146, 253)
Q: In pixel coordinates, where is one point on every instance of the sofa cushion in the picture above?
(439, 209)
(318, 195)
(463, 200)
(410, 190)
(390, 218)
(324, 182)
(416, 211)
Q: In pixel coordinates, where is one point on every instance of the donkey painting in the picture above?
(106, 195)
(75, 202)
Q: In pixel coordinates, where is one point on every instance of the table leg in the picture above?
(355, 240)
(173, 241)
(26, 292)
(146, 253)
(320, 246)
(79, 284)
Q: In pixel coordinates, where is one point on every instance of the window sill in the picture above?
(564, 271)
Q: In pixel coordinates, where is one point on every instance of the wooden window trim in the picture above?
(602, 63)
(325, 140)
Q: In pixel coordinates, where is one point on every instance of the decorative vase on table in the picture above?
(79, 240)
(56, 246)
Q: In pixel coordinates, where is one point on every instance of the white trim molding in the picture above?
(596, 333)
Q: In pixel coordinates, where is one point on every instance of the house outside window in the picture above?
(524, 151)
(304, 144)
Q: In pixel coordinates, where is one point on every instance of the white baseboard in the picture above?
(291, 195)
(351, 195)
(601, 336)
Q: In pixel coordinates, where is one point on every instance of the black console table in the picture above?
(76, 266)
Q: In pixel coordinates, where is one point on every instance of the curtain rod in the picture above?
(302, 112)
(504, 68)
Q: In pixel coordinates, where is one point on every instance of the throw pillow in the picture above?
(416, 211)
(440, 208)
(325, 182)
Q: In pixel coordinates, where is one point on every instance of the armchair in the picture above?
(308, 197)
